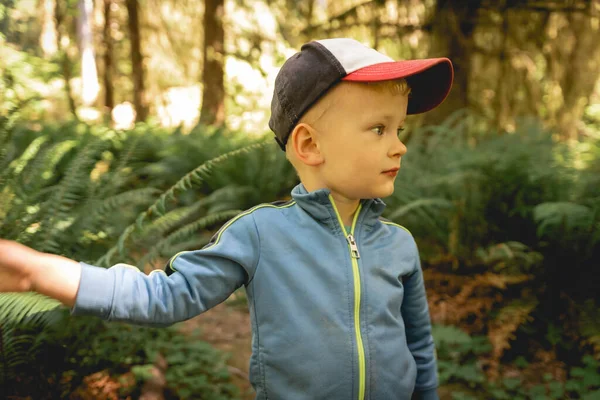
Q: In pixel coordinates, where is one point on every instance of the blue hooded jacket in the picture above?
(336, 315)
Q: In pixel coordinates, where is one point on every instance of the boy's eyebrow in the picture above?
(387, 117)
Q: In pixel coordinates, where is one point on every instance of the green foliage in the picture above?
(457, 355)
(23, 75)
(458, 363)
(481, 188)
(582, 383)
(194, 367)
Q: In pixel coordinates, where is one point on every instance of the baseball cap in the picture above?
(319, 65)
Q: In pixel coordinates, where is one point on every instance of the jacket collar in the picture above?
(318, 205)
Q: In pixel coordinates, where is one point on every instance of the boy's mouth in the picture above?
(391, 172)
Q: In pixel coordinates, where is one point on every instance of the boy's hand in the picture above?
(15, 266)
(24, 269)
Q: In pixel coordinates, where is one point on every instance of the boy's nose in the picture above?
(398, 149)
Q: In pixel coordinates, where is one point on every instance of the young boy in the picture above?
(335, 292)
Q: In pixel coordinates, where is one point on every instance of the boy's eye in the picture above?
(378, 129)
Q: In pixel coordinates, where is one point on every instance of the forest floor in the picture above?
(227, 328)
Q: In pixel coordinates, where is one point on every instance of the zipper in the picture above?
(354, 256)
(353, 247)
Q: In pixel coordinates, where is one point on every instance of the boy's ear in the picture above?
(304, 140)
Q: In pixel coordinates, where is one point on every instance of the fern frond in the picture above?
(449, 335)
(554, 217)
(7, 122)
(170, 220)
(97, 214)
(12, 353)
(129, 152)
(192, 179)
(114, 203)
(111, 183)
(196, 177)
(228, 197)
(510, 257)
(420, 204)
(66, 195)
(43, 168)
(451, 179)
(19, 308)
(187, 232)
(21, 316)
(25, 193)
(30, 152)
(589, 325)
(195, 242)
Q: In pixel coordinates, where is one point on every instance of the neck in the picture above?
(346, 207)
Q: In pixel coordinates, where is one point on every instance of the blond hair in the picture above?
(394, 86)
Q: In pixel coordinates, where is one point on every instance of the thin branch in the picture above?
(352, 11)
(540, 6)
(399, 29)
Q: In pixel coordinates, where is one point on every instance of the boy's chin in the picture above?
(380, 192)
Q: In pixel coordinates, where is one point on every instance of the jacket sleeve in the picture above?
(194, 281)
(415, 313)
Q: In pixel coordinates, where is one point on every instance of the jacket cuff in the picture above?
(429, 394)
(95, 293)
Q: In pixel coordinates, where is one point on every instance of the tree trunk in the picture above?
(65, 62)
(452, 36)
(48, 39)
(580, 74)
(109, 102)
(213, 93)
(137, 66)
(89, 74)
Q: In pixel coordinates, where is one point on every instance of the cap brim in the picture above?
(430, 80)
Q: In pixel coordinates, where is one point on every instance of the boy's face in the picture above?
(358, 139)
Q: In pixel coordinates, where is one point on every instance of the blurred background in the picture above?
(131, 130)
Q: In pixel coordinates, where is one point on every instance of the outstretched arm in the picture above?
(195, 282)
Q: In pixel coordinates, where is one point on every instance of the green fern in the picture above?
(32, 150)
(47, 187)
(18, 308)
(419, 207)
(170, 220)
(100, 209)
(185, 233)
(563, 218)
(65, 196)
(45, 166)
(7, 122)
(192, 179)
(18, 314)
(27, 189)
(510, 258)
(229, 197)
(589, 321)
